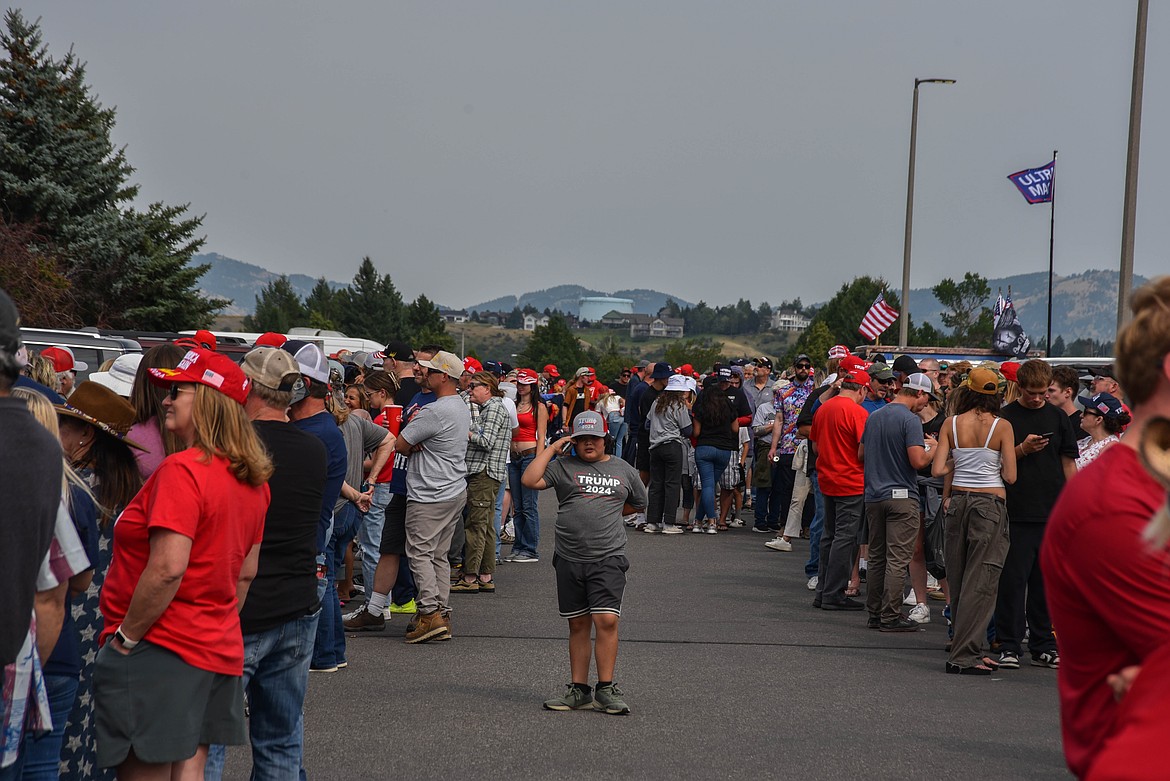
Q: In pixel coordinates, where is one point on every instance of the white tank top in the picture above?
(976, 467)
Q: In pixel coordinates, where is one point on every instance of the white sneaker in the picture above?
(920, 614)
(673, 530)
(931, 582)
(711, 529)
(779, 544)
(910, 599)
(631, 520)
(813, 582)
(650, 528)
(737, 524)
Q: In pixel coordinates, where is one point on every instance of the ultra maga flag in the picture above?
(879, 317)
(1035, 184)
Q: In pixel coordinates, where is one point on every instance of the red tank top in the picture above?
(527, 430)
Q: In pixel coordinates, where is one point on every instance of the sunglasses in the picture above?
(175, 389)
(804, 365)
(476, 385)
(885, 382)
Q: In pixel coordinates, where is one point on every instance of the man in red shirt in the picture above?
(836, 436)
(1106, 584)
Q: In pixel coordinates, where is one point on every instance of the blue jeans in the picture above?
(524, 501)
(39, 757)
(276, 674)
(813, 566)
(329, 647)
(370, 534)
(711, 462)
(499, 521)
(617, 430)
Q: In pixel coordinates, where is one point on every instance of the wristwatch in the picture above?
(126, 642)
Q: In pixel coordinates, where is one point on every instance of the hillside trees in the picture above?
(278, 308)
(966, 313)
(553, 343)
(61, 176)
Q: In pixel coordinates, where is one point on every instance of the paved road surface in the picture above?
(729, 672)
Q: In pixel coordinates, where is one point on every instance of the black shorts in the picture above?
(153, 703)
(394, 527)
(585, 587)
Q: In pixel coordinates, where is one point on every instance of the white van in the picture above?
(330, 342)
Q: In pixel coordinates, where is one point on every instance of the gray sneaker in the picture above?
(573, 699)
(608, 699)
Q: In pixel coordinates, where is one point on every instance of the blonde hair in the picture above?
(488, 379)
(40, 369)
(46, 415)
(222, 429)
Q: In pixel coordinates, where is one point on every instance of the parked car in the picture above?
(87, 344)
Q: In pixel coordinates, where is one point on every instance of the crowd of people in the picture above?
(190, 528)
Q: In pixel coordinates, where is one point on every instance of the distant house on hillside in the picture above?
(532, 321)
(615, 319)
(789, 320)
(453, 315)
(652, 327)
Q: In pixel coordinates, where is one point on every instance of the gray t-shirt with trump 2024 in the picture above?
(591, 496)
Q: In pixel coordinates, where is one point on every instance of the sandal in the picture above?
(722, 527)
(852, 592)
(989, 662)
(978, 669)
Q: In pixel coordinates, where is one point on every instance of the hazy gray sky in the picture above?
(708, 149)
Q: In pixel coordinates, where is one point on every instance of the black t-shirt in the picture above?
(717, 435)
(739, 403)
(619, 389)
(1075, 420)
(408, 386)
(285, 587)
(1039, 476)
(645, 401)
(30, 489)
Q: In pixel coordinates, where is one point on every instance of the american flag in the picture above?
(879, 317)
(1000, 305)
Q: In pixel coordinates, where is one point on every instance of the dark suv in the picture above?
(87, 345)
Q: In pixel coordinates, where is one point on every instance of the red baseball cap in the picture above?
(551, 370)
(859, 376)
(838, 351)
(205, 367)
(271, 339)
(686, 369)
(851, 363)
(526, 377)
(63, 360)
(207, 339)
(1008, 369)
(472, 365)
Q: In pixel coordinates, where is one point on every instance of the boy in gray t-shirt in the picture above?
(594, 491)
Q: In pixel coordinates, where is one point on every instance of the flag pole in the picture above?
(1051, 244)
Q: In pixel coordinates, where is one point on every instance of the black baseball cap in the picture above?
(398, 350)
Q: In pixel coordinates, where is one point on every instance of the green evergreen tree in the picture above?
(553, 343)
(322, 303)
(1058, 347)
(515, 319)
(844, 312)
(278, 308)
(372, 306)
(60, 172)
(425, 325)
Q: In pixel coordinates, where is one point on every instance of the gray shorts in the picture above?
(586, 587)
(152, 702)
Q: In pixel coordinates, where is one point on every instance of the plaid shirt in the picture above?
(491, 436)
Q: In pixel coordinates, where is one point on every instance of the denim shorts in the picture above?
(152, 702)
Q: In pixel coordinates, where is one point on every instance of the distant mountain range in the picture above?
(1084, 305)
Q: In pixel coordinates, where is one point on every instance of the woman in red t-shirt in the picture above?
(168, 679)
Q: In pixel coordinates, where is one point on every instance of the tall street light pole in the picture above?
(904, 320)
(1129, 215)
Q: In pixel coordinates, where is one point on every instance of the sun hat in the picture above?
(120, 377)
(103, 409)
(677, 382)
